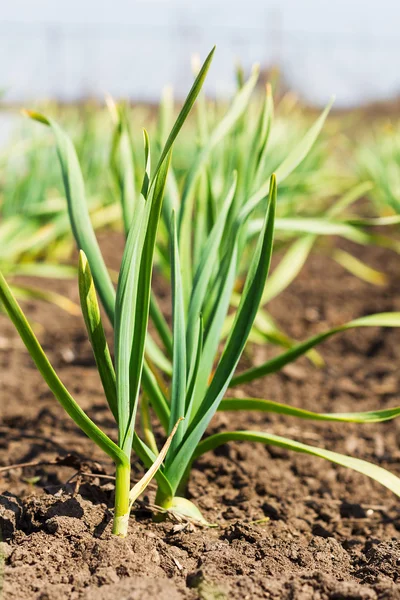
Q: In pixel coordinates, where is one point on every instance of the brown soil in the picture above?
(330, 533)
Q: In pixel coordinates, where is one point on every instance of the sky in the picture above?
(132, 48)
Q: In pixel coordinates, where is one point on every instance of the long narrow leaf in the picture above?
(94, 327)
(350, 197)
(247, 310)
(145, 480)
(157, 356)
(156, 396)
(224, 126)
(288, 268)
(300, 151)
(122, 163)
(148, 458)
(274, 364)
(190, 100)
(215, 326)
(78, 212)
(373, 416)
(161, 325)
(50, 376)
(379, 474)
(295, 157)
(359, 268)
(132, 305)
(178, 390)
(205, 269)
(28, 292)
(194, 371)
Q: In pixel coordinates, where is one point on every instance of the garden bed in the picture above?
(288, 526)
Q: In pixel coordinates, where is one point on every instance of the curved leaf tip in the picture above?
(82, 259)
(36, 116)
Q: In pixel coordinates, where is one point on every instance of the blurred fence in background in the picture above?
(87, 49)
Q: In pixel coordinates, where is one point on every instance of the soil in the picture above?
(288, 526)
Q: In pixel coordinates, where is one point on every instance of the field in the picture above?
(257, 520)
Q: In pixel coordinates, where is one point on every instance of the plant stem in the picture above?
(163, 501)
(122, 507)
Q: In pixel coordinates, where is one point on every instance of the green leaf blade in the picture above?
(94, 327)
(374, 416)
(382, 476)
(244, 319)
(178, 390)
(51, 378)
(190, 100)
(274, 364)
(79, 214)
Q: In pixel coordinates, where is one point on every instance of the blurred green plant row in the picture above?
(337, 185)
